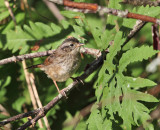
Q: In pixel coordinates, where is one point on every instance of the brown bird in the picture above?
(65, 60)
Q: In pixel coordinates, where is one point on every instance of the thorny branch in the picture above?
(31, 92)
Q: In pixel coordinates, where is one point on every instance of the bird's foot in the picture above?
(77, 79)
(62, 92)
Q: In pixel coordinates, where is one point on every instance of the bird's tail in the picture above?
(35, 66)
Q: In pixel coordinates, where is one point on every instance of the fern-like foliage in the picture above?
(119, 93)
(120, 101)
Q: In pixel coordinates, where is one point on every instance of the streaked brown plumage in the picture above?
(63, 62)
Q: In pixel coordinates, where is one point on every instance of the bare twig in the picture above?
(10, 11)
(90, 51)
(26, 56)
(92, 8)
(97, 63)
(38, 99)
(137, 27)
(43, 111)
(19, 116)
(4, 112)
(52, 7)
(31, 91)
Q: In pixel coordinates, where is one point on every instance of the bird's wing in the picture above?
(35, 66)
(54, 58)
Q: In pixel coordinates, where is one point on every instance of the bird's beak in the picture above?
(80, 44)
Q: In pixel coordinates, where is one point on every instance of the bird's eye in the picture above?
(71, 44)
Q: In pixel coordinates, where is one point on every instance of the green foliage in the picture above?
(138, 54)
(23, 38)
(116, 89)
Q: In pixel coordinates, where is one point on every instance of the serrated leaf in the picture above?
(118, 41)
(22, 38)
(149, 11)
(95, 27)
(107, 124)
(24, 50)
(80, 22)
(79, 30)
(136, 111)
(138, 82)
(115, 4)
(95, 120)
(136, 54)
(108, 100)
(133, 112)
(65, 24)
(46, 30)
(110, 37)
(38, 33)
(55, 28)
(135, 95)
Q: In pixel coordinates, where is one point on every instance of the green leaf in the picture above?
(17, 105)
(23, 38)
(132, 111)
(5, 83)
(24, 50)
(65, 24)
(113, 50)
(114, 4)
(107, 124)
(135, 95)
(72, 14)
(138, 82)
(136, 54)
(55, 28)
(80, 22)
(2, 95)
(19, 19)
(95, 27)
(107, 36)
(95, 121)
(149, 11)
(4, 15)
(79, 30)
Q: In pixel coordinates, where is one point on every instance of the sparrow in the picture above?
(63, 63)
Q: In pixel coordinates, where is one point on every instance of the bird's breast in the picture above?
(63, 69)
